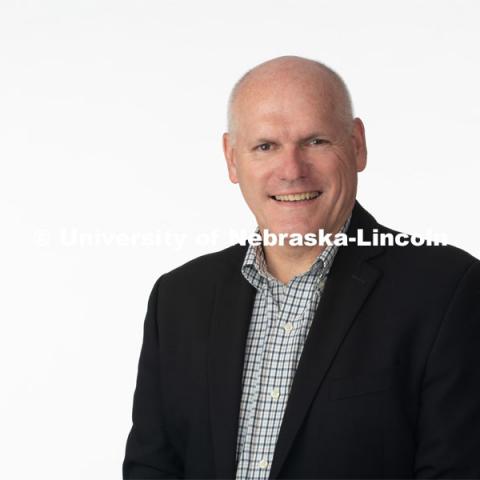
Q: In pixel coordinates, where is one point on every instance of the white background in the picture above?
(111, 115)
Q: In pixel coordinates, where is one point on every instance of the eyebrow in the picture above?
(302, 140)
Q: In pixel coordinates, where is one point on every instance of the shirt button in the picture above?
(288, 327)
(275, 393)
(263, 463)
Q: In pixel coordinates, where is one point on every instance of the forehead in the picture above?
(285, 107)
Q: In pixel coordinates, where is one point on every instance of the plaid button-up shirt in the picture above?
(281, 318)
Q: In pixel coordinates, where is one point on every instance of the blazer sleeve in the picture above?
(448, 428)
(148, 452)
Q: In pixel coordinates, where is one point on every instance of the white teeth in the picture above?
(296, 197)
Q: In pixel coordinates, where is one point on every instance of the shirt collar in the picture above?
(254, 267)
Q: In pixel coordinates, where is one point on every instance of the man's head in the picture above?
(291, 131)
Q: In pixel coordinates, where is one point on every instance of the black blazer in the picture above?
(388, 385)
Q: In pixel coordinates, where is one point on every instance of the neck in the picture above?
(286, 262)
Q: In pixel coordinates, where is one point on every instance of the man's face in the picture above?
(289, 141)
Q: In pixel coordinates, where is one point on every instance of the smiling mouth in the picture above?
(296, 197)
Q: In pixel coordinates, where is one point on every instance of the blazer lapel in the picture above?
(350, 281)
(231, 318)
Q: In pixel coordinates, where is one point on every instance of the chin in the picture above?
(290, 229)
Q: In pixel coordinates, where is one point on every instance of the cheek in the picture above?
(253, 187)
(338, 173)
(253, 181)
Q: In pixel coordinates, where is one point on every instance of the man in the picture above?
(310, 361)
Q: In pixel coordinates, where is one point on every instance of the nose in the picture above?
(293, 166)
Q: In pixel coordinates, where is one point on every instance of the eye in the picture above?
(264, 147)
(317, 141)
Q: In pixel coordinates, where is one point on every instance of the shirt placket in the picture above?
(273, 388)
(258, 459)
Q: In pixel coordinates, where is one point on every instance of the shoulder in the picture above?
(413, 263)
(205, 270)
(434, 272)
(444, 258)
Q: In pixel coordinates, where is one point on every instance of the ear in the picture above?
(359, 144)
(229, 152)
